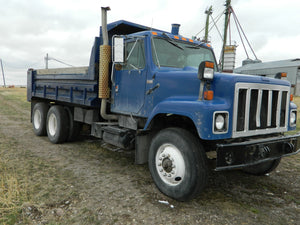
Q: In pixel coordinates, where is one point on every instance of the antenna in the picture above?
(2, 73)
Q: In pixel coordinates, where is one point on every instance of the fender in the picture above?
(200, 112)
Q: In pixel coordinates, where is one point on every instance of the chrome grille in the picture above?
(260, 109)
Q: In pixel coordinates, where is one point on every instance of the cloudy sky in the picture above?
(65, 29)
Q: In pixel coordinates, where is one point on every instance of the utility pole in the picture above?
(46, 60)
(2, 73)
(227, 16)
(208, 12)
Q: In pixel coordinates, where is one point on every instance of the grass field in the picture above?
(84, 183)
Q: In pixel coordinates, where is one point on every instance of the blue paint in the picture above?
(149, 89)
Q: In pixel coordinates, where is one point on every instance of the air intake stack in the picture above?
(175, 28)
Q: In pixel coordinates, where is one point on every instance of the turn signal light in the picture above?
(291, 97)
(209, 64)
(208, 95)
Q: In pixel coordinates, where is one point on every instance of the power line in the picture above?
(47, 58)
(215, 25)
(216, 18)
(236, 19)
(237, 27)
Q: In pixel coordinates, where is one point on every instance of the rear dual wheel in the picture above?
(39, 118)
(74, 126)
(57, 124)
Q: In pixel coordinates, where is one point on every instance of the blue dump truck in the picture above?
(161, 94)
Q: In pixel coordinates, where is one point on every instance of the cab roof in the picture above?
(123, 27)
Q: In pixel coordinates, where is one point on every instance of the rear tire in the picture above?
(39, 117)
(177, 163)
(262, 168)
(57, 124)
(74, 126)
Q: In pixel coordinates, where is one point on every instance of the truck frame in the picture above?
(161, 94)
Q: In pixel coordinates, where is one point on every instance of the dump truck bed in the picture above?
(72, 85)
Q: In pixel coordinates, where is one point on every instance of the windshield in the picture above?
(171, 53)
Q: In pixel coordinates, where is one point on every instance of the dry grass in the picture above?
(80, 183)
(12, 195)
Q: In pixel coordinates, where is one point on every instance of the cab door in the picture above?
(129, 81)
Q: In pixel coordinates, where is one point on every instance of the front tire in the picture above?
(57, 124)
(262, 168)
(177, 163)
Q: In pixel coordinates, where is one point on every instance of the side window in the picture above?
(135, 54)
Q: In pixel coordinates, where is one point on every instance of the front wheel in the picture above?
(262, 168)
(177, 163)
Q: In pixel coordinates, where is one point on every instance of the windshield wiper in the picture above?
(195, 46)
(171, 42)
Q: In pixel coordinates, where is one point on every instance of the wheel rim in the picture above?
(52, 124)
(170, 164)
(37, 119)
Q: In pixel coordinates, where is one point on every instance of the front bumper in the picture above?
(252, 152)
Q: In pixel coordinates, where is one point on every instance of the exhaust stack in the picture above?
(175, 28)
(104, 60)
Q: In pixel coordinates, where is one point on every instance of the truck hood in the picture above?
(186, 83)
(234, 78)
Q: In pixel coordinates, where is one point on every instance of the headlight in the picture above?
(293, 118)
(220, 123)
(206, 71)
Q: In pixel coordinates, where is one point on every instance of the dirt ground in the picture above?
(88, 182)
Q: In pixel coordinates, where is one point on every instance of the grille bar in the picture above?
(247, 111)
(278, 109)
(260, 109)
(270, 96)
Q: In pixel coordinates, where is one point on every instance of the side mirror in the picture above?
(206, 70)
(118, 49)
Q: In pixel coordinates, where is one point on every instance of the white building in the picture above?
(270, 69)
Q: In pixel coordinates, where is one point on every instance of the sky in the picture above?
(65, 29)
